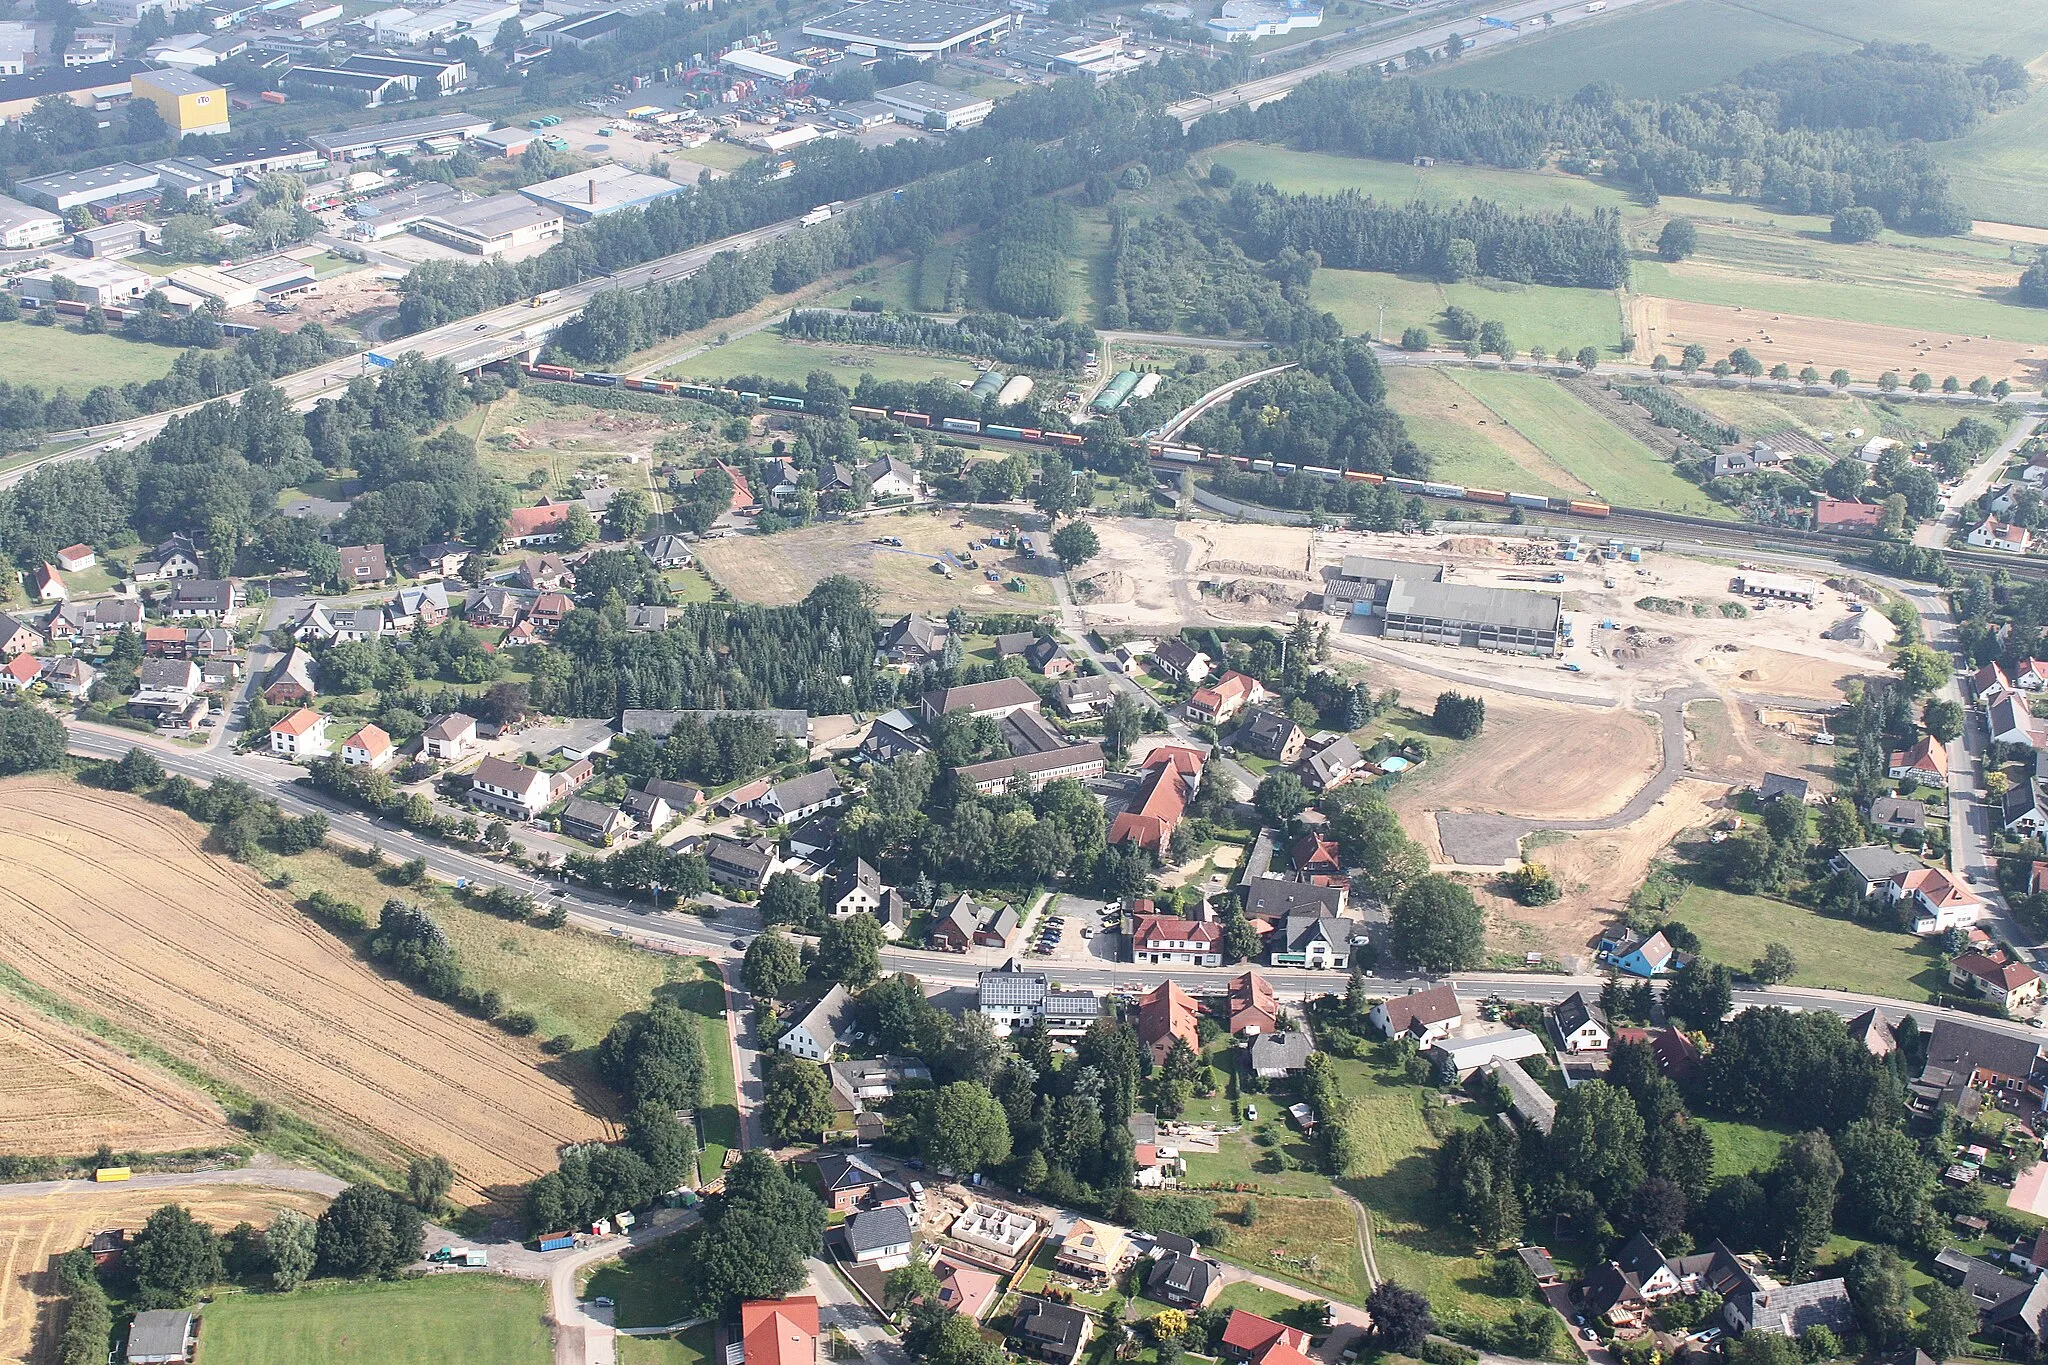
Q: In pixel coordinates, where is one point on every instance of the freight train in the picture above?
(1165, 453)
(784, 403)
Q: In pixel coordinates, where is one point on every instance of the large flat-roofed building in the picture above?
(909, 28)
(601, 190)
(100, 282)
(283, 156)
(930, 105)
(1468, 614)
(1245, 21)
(764, 66)
(201, 181)
(100, 186)
(22, 226)
(490, 226)
(585, 30)
(82, 85)
(190, 104)
(1783, 587)
(1360, 586)
(437, 133)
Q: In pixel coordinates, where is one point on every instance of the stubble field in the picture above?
(63, 1093)
(34, 1229)
(112, 904)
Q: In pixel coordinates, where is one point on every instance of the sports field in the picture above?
(1468, 443)
(449, 1319)
(61, 357)
(772, 356)
(1616, 466)
(110, 904)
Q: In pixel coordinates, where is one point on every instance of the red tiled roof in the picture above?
(297, 723)
(370, 739)
(1249, 1334)
(1929, 755)
(24, 667)
(779, 1331)
(526, 521)
(1166, 1012)
(1835, 514)
(1151, 928)
(1151, 822)
(1251, 1002)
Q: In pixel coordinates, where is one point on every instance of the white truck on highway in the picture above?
(822, 214)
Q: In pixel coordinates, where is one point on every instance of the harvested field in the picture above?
(192, 952)
(1466, 441)
(34, 1229)
(781, 569)
(1865, 349)
(63, 1092)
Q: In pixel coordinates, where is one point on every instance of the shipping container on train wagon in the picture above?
(1535, 500)
(1010, 433)
(1064, 438)
(783, 402)
(1485, 495)
(1589, 509)
(552, 371)
(960, 424)
(1444, 490)
(870, 414)
(702, 391)
(913, 419)
(1407, 485)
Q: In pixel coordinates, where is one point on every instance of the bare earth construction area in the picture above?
(111, 903)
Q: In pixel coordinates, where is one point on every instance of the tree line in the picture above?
(993, 336)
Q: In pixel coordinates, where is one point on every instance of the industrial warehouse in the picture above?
(909, 28)
(1416, 604)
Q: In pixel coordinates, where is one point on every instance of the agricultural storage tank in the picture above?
(1016, 391)
(986, 386)
(1146, 383)
(1116, 391)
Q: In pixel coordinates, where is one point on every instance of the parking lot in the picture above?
(1080, 936)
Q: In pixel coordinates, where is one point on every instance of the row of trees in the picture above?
(993, 336)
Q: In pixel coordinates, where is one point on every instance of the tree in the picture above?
(789, 899)
(173, 1257)
(1886, 1183)
(1401, 1320)
(368, 1231)
(658, 1055)
(908, 1283)
(1532, 884)
(1588, 357)
(965, 1129)
(664, 1143)
(1438, 927)
(773, 965)
(850, 951)
(291, 1242)
(30, 739)
(1802, 1187)
(626, 517)
(1458, 715)
(758, 1235)
(1923, 669)
(1459, 259)
(1947, 1321)
(579, 528)
(1279, 798)
(1839, 378)
(1415, 339)
(1678, 240)
(1075, 544)
(1943, 719)
(796, 1099)
(1777, 964)
(427, 1181)
(1857, 223)
(1596, 1142)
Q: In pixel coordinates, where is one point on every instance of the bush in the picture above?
(519, 1023)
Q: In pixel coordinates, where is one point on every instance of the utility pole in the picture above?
(1379, 333)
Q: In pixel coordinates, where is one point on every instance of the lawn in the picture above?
(448, 1319)
(1996, 167)
(1834, 954)
(719, 156)
(718, 1117)
(768, 354)
(1270, 1304)
(1615, 465)
(1313, 1242)
(1296, 172)
(1744, 1148)
(647, 1286)
(1544, 315)
(1440, 418)
(62, 358)
(692, 1346)
(893, 284)
(1769, 414)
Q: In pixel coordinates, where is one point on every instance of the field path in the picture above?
(111, 903)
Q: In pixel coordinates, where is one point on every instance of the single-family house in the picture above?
(176, 557)
(2010, 721)
(363, 566)
(503, 787)
(449, 738)
(442, 559)
(1165, 1013)
(1874, 866)
(1581, 1025)
(1308, 939)
(747, 866)
(1848, 517)
(1989, 683)
(1332, 760)
(1056, 1333)
(1776, 785)
(889, 477)
(45, 584)
(1423, 1016)
(211, 599)
(779, 1332)
(968, 924)
(965, 1290)
(1250, 1004)
(2014, 986)
(370, 748)
(2003, 536)
(16, 637)
(1271, 735)
(1091, 1252)
(594, 821)
(19, 672)
(800, 798)
(1084, 698)
(1249, 1337)
(880, 1237)
(1275, 1055)
(998, 698)
(816, 1034)
(162, 1336)
(302, 734)
(544, 573)
(1646, 958)
(1899, 814)
(1175, 658)
(1939, 902)
(1181, 1277)
(2023, 812)
(542, 525)
(1219, 702)
(914, 640)
(1793, 1310)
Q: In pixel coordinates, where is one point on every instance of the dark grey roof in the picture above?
(1791, 1310)
(1176, 653)
(1899, 810)
(1012, 986)
(1084, 689)
(675, 793)
(789, 724)
(1335, 760)
(738, 856)
(1073, 1005)
(1875, 863)
(1776, 785)
(158, 1333)
(1958, 1046)
(1574, 1012)
(1532, 1104)
(1539, 1262)
(1476, 604)
(589, 814)
(1276, 897)
(1280, 1051)
(1989, 1287)
(1266, 732)
(915, 634)
(1181, 1275)
(824, 1019)
(808, 790)
(1056, 1324)
(873, 1229)
(1300, 929)
(1016, 643)
(2026, 1314)
(1606, 1286)
(846, 1171)
(1640, 1257)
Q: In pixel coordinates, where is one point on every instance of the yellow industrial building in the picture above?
(189, 103)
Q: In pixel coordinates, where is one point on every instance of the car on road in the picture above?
(602, 1303)
(739, 943)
